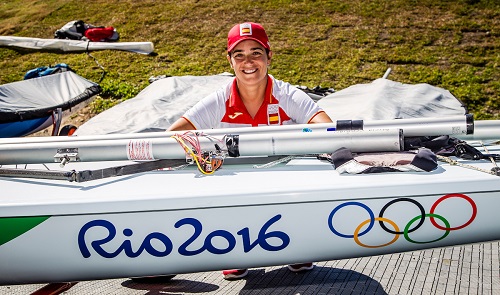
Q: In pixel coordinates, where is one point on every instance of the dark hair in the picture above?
(267, 52)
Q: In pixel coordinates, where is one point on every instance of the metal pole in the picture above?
(454, 125)
(267, 144)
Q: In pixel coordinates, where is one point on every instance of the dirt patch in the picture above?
(77, 116)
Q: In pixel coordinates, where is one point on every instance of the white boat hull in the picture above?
(168, 222)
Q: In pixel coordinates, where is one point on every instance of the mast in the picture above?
(458, 126)
(237, 145)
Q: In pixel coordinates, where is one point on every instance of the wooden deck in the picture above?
(469, 269)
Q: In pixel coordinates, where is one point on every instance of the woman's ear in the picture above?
(269, 57)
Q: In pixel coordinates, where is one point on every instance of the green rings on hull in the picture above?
(407, 228)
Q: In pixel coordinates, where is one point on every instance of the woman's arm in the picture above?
(321, 117)
(181, 124)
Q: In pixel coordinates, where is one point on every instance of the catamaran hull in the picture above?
(156, 224)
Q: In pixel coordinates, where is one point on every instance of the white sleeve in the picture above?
(297, 104)
(208, 112)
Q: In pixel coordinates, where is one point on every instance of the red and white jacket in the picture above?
(283, 104)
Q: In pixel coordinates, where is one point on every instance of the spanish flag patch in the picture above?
(273, 115)
(245, 29)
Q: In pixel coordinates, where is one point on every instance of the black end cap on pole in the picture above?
(233, 145)
(469, 121)
(343, 125)
(357, 125)
(401, 140)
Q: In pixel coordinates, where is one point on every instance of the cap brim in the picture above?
(244, 39)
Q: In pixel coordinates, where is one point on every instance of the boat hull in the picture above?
(169, 222)
(23, 128)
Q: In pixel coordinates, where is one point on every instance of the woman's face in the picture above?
(249, 61)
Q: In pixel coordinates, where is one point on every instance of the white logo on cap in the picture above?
(245, 29)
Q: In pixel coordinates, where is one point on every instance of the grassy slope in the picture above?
(453, 44)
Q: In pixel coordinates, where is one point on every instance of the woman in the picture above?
(253, 98)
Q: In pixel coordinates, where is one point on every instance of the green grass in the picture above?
(453, 44)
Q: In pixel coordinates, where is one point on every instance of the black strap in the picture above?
(88, 175)
(448, 146)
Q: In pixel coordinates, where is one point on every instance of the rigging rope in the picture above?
(456, 163)
(98, 64)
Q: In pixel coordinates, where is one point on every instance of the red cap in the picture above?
(247, 31)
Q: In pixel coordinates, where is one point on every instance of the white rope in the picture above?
(491, 159)
(456, 163)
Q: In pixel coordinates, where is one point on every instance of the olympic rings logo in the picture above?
(412, 225)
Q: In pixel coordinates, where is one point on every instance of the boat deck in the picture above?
(468, 269)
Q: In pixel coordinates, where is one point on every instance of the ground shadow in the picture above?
(321, 280)
(173, 286)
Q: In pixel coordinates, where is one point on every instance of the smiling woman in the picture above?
(254, 98)
(249, 61)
